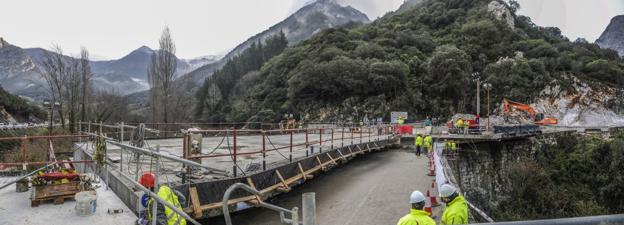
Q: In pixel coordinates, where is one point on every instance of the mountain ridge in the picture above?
(613, 36)
(310, 12)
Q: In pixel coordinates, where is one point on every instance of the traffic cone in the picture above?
(431, 171)
(428, 194)
(428, 209)
(434, 201)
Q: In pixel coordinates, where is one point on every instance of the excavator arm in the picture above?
(537, 117)
(508, 104)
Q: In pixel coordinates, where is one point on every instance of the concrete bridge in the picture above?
(361, 174)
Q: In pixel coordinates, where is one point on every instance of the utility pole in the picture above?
(488, 87)
(476, 77)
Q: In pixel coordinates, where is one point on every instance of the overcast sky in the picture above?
(112, 28)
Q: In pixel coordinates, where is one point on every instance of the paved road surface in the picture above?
(372, 189)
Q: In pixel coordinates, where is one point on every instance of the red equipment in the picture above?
(147, 180)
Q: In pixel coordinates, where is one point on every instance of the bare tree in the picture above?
(85, 75)
(72, 91)
(161, 74)
(68, 81)
(111, 106)
(55, 74)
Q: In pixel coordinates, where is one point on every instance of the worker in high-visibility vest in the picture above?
(466, 126)
(447, 146)
(417, 215)
(459, 125)
(456, 211)
(419, 143)
(428, 143)
(165, 215)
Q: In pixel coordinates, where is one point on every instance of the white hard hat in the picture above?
(417, 197)
(446, 190)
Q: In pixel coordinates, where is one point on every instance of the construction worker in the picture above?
(165, 215)
(417, 216)
(456, 211)
(466, 126)
(428, 143)
(428, 122)
(400, 120)
(419, 143)
(447, 146)
(459, 125)
(453, 150)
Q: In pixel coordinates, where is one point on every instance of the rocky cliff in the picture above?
(613, 36)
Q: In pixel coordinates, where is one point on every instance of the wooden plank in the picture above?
(303, 173)
(218, 205)
(332, 159)
(253, 185)
(320, 163)
(341, 155)
(284, 184)
(361, 150)
(197, 212)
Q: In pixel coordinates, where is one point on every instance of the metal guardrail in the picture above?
(590, 220)
(309, 206)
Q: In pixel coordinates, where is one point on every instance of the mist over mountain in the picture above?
(613, 36)
(301, 25)
(20, 70)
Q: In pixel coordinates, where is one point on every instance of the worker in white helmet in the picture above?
(417, 216)
(456, 211)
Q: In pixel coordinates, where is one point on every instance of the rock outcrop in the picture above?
(613, 36)
(502, 12)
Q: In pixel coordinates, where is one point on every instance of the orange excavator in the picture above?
(538, 118)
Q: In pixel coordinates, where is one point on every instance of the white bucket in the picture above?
(86, 202)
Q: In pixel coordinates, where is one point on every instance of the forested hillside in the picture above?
(18, 108)
(220, 93)
(422, 60)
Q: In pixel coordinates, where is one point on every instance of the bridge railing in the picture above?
(232, 144)
(275, 141)
(590, 220)
(28, 151)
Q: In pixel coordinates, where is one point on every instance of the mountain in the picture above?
(20, 70)
(613, 36)
(408, 4)
(422, 61)
(129, 73)
(301, 25)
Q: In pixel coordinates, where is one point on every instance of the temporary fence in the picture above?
(38, 150)
(442, 177)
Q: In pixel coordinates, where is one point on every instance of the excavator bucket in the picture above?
(548, 121)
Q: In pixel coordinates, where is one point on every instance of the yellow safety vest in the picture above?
(428, 141)
(419, 141)
(416, 217)
(456, 212)
(460, 123)
(168, 195)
